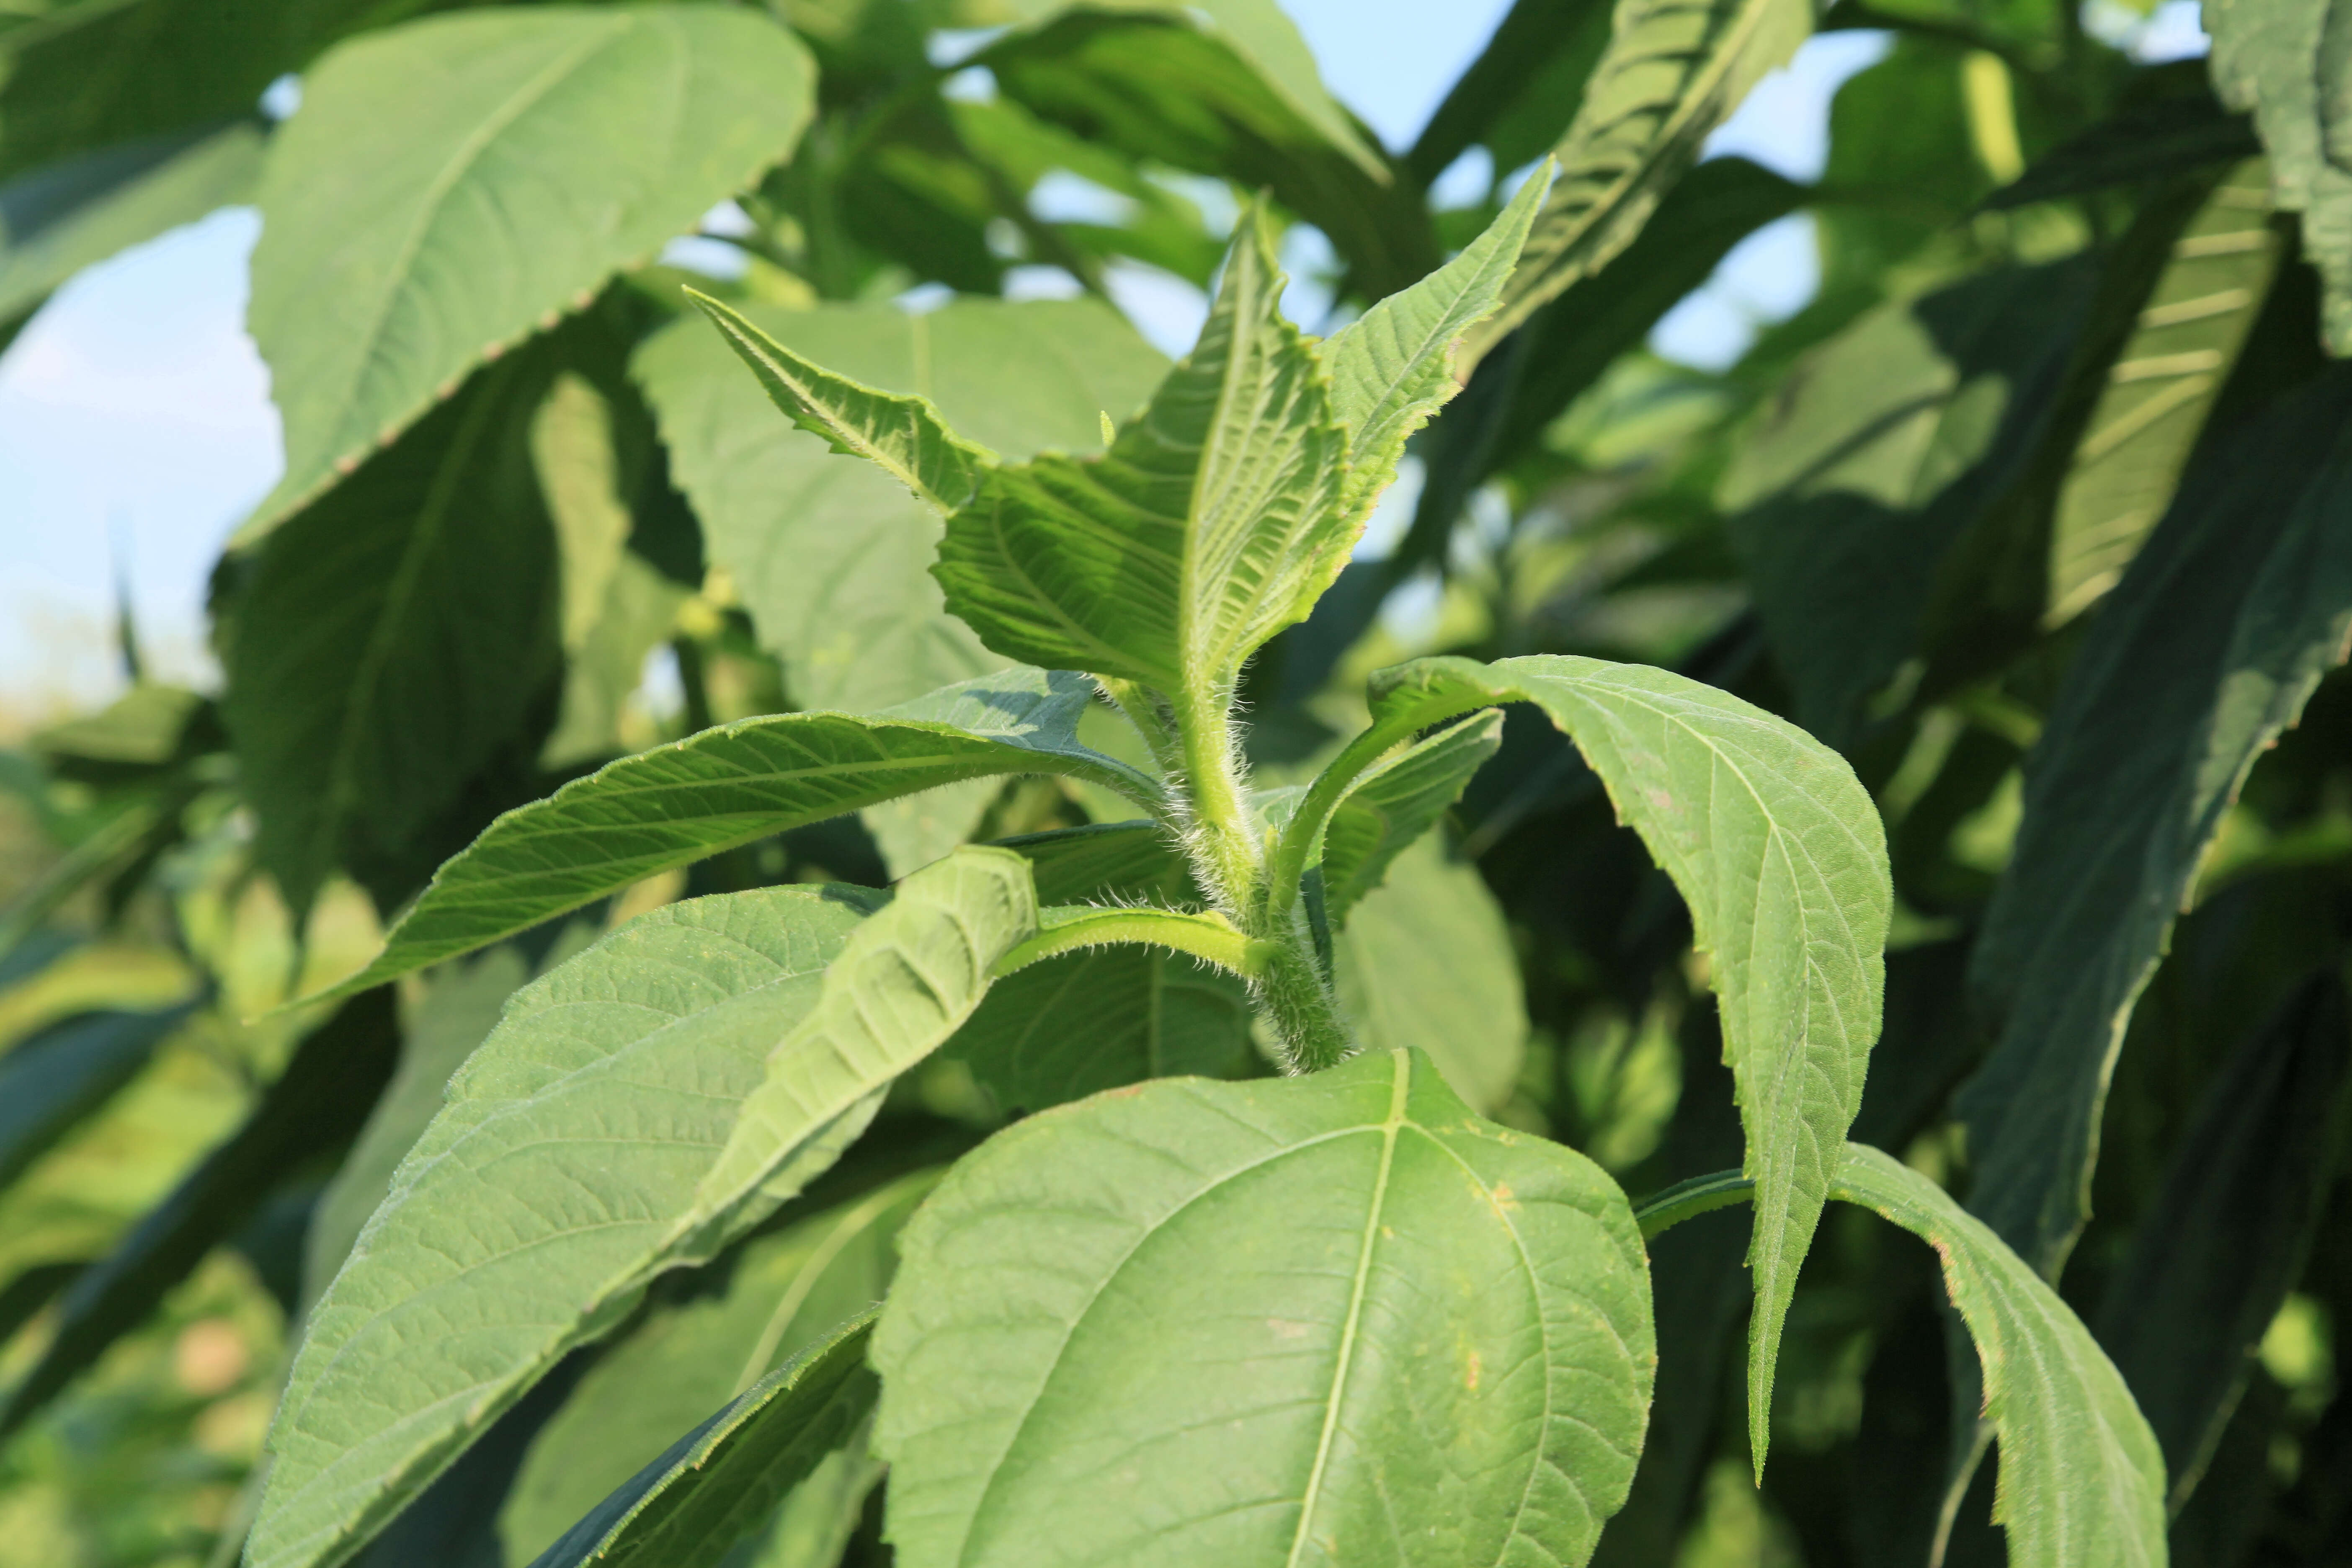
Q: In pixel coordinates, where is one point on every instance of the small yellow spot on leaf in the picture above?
(1476, 1366)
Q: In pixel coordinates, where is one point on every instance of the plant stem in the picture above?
(1297, 995)
(1209, 938)
(1224, 848)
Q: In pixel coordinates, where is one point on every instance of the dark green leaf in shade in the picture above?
(2219, 630)
(1115, 862)
(390, 266)
(681, 803)
(1205, 1322)
(51, 1080)
(315, 1107)
(2147, 141)
(2226, 1235)
(1780, 855)
(714, 1485)
(831, 557)
(391, 640)
(1520, 92)
(1397, 801)
(1210, 525)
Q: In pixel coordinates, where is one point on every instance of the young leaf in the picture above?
(713, 1485)
(635, 1111)
(1393, 367)
(833, 558)
(1673, 70)
(1319, 1321)
(1210, 525)
(1397, 801)
(680, 803)
(1779, 852)
(389, 266)
(2221, 627)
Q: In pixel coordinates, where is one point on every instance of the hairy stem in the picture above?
(1208, 937)
(1222, 847)
(1297, 995)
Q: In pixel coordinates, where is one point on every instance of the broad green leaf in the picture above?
(2233, 609)
(635, 1111)
(1428, 961)
(2082, 1480)
(1114, 862)
(311, 1112)
(1672, 71)
(1097, 1019)
(711, 1487)
(1319, 1321)
(2160, 388)
(59, 220)
(1880, 451)
(52, 1081)
(683, 802)
(781, 1295)
(1779, 854)
(542, 149)
(2228, 1230)
(2282, 60)
(1394, 804)
(831, 557)
(1393, 367)
(1210, 525)
(388, 642)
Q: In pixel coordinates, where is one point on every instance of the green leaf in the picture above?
(711, 1489)
(1115, 862)
(781, 1295)
(1394, 804)
(391, 640)
(1672, 71)
(1428, 961)
(1328, 1320)
(2283, 60)
(62, 220)
(833, 558)
(2224, 622)
(1520, 92)
(2228, 1230)
(1210, 525)
(50, 1082)
(542, 149)
(312, 1110)
(1779, 854)
(684, 802)
(2160, 388)
(2082, 1480)
(1393, 367)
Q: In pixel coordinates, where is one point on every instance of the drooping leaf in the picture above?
(711, 1489)
(2269, 57)
(1427, 961)
(384, 645)
(1673, 69)
(59, 220)
(1210, 525)
(312, 1110)
(1393, 367)
(49, 1082)
(1520, 92)
(2160, 388)
(832, 557)
(1229, 1322)
(782, 1294)
(2226, 1236)
(540, 150)
(2224, 622)
(592, 1124)
(2082, 1480)
(1782, 857)
(681, 803)
(1394, 804)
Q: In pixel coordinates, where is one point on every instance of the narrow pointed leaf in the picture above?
(540, 150)
(1393, 367)
(1672, 71)
(2082, 1480)
(680, 803)
(904, 437)
(1210, 525)
(1393, 804)
(2218, 632)
(1229, 1323)
(712, 1488)
(1780, 855)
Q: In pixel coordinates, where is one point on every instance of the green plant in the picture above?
(1081, 1039)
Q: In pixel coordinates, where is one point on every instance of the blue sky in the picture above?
(135, 427)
